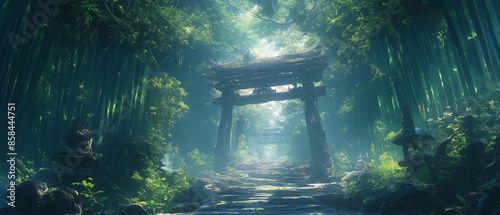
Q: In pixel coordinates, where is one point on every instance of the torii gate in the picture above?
(302, 68)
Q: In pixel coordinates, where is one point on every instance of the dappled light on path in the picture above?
(270, 188)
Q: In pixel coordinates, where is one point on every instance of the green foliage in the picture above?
(348, 105)
(458, 144)
(464, 208)
(158, 189)
(486, 114)
(153, 25)
(350, 25)
(93, 200)
(165, 107)
(26, 167)
(391, 135)
(198, 162)
(385, 171)
(381, 173)
(342, 162)
(24, 170)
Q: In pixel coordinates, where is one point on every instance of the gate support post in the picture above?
(320, 156)
(223, 145)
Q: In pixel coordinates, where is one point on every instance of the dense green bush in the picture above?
(342, 162)
(158, 189)
(197, 162)
(28, 164)
(382, 172)
(148, 26)
(94, 201)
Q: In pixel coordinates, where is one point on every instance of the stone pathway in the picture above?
(268, 188)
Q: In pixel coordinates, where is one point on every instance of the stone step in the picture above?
(268, 188)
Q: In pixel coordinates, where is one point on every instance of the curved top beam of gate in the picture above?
(275, 71)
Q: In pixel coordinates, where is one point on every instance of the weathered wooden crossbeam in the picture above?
(290, 60)
(268, 80)
(296, 93)
(294, 64)
(303, 67)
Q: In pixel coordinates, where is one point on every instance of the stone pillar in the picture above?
(223, 146)
(320, 156)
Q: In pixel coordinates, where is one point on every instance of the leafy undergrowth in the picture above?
(160, 188)
(380, 173)
(459, 177)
